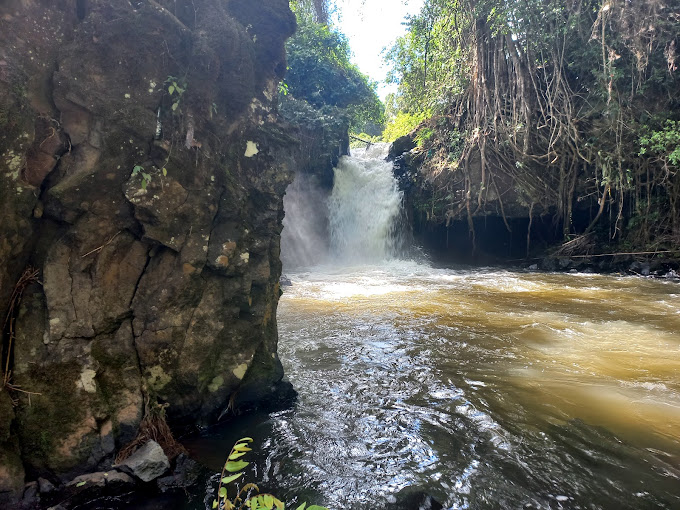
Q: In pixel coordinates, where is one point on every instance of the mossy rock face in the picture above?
(158, 262)
(55, 426)
(11, 472)
(11, 466)
(6, 415)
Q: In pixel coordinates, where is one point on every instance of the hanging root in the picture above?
(30, 275)
(153, 427)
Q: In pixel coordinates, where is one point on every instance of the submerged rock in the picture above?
(411, 498)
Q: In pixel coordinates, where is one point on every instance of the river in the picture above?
(465, 388)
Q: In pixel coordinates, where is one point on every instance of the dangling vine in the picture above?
(559, 102)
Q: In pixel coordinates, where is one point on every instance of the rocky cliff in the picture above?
(142, 169)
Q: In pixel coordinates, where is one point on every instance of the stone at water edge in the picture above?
(186, 473)
(147, 463)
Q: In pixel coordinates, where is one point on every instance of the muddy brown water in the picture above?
(479, 388)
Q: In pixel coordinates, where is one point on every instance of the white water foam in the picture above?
(364, 208)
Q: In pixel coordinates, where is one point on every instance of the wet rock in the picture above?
(399, 146)
(413, 499)
(285, 281)
(564, 263)
(89, 480)
(184, 475)
(85, 490)
(549, 264)
(147, 463)
(533, 267)
(31, 497)
(640, 268)
(118, 480)
(46, 487)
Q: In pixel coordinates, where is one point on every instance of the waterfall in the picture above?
(304, 241)
(358, 222)
(364, 208)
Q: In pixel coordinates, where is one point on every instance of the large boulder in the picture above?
(142, 170)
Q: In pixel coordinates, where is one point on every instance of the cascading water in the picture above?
(304, 242)
(365, 207)
(359, 222)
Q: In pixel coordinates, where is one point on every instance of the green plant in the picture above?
(248, 496)
(402, 124)
(423, 135)
(664, 143)
(176, 89)
(146, 177)
(321, 72)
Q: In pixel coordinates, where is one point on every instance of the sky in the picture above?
(372, 25)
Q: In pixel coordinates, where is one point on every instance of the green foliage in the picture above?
(315, 10)
(248, 496)
(176, 89)
(427, 62)
(320, 72)
(423, 135)
(402, 125)
(146, 177)
(664, 143)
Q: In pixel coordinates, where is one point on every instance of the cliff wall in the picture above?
(142, 170)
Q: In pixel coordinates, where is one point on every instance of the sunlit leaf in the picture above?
(144, 183)
(236, 455)
(174, 106)
(242, 448)
(171, 89)
(233, 467)
(80, 484)
(165, 172)
(268, 500)
(223, 492)
(302, 506)
(317, 507)
(229, 479)
(214, 505)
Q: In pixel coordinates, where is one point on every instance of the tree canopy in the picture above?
(321, 72)
(576, 101)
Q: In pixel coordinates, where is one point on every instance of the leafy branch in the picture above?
(249, 495)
